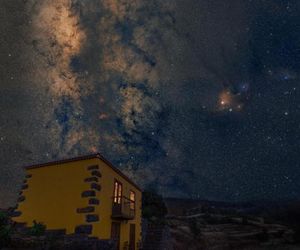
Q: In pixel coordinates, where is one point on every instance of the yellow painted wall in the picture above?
(106, 194)
(54, 194)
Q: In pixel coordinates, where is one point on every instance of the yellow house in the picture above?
(82, 195)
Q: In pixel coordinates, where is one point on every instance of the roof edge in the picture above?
(84, 157)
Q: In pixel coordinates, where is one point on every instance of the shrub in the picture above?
(153, 206)
(263, 236)
(3, 218)
(38, 229)
(5, 235)
(244, 220)
(5, 229)
(195, 228)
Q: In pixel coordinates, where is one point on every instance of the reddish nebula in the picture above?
(229, 102)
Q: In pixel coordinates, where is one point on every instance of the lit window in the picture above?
(132, 200)
(117, 192)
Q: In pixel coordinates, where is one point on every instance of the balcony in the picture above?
(123, 208)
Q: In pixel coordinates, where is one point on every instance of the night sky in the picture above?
(195, 98)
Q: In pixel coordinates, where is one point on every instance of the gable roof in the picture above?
(85, 157)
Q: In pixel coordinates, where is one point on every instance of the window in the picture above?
(117, 192)
(132, 200)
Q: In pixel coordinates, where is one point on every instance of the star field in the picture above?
(197, 99)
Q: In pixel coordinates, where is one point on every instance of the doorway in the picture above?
(132, 237)
(116, 232)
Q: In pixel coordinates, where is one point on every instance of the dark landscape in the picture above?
(183, 224)
(220, 225)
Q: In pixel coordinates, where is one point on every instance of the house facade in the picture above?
(82, 195)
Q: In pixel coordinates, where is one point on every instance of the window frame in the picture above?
(117, 192)
(132, 201)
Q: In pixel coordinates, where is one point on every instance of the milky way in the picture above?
(193, 98)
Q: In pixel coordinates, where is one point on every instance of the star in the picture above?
(152, 97)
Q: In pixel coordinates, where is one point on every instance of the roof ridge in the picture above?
(84, 157)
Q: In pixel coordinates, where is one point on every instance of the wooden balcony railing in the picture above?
(123, 208)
